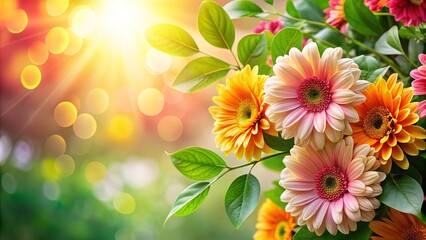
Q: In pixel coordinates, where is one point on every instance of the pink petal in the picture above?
(330, 224)
(355, 169)
(332, 134)
(343, 96)
(370, 177)
(356, 187)
(350, 203)
(335, 111)
(281, 92)
(328, 63)
(310, 51)
(302, 199)
(336, 124)
(320, 121)
(301, 63)
(319, 140)
(341, 79)
(292, 184)
(288, 74)
(365, 204)
(351, 114)
(312, 208)
(306, 125)
(319, 217)
(294, 117)
(334, 207)
(360, 85)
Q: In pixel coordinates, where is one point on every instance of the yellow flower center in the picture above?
(378, 122)
(283, 231)
(247, 111)
(416, 2)
(416, 232)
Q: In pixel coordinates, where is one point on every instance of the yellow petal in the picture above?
(397, 153)
(404, 164)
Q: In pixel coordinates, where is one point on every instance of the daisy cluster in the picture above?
(331, 95)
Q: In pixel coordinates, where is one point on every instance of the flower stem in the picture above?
(235, 67)
(255, 162)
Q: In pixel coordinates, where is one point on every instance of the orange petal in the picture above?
(416, 131)
(403, 113)
(392, 141)
(396, 102)
(404, 164)
(420, 144)
(386, 151)
(403, 136)
(387, 100)
(397, 128)
(397, 90)
(409, 148)
(406, 98)
(384, 139)
(386, 167)
(397, 153)
(411, 119)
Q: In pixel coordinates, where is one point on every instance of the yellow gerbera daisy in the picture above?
(240, 118)
(399, 226)
(387, 121)
(273, 223)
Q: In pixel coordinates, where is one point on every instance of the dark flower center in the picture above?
(378, 122)
(314, 94)
(331, 183)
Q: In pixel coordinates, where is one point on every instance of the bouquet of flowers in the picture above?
(330, 94)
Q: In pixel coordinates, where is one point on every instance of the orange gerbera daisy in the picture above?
(273, 223)
(387, 121)
(240, 118)
(399, 226)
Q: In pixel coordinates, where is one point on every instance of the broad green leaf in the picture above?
(252, 50)
(407, 32)
(286, 39)
(242, 8)
(275, 195)
(197, 163)
(242, 198)
(402, 193)
(383, 47)
(331, 36)
(265, 69)
(363, 232)
(172, 40)
(215, 25)
(190, 199)
(376, 73)
(411, 171)
(309, 10)
(269, 37)
(199, 73)
(361, 19)
(414, 49)
(392, 39)
(278, 143)
(275, 163)
(323, 4)
(291, 9)
(271, 2)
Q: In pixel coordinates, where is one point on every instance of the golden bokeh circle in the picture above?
(38, 53)
(150, 101)
(170, 128)
(17, 22)
(65, 114)
(57, 40)
(30, 77)
(55, 145)
(85, 126)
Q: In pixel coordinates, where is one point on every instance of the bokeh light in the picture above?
(5, 147)
(38, 53)
(22, 155)
(85, 126)
(157, 61)
(17, 22)
(65, 114)
(95, 172)
(55, 145)
(170, 128)
(140, 173)
(120, 128)
(150, 101)
(30, 77)
(124, 203)
(97, 101)
(57, 40)
(51, 190)
(48, 169)
(78, 146)
(65, 165)
(56, 7)
(75, 43)
(8, 182)
(83, 21)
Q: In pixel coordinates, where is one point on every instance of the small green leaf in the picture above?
(278, 143)
(383, 47)
(378, 72)
(189, 200)
(215, 25)
(199, 73)
(275, 163)
(172, 40)
(275, 195)
(309, 10)
(370, 68)
(291, 9)
(415, 48)
(271, 2)
(252, 50)
(363, 232)
(197, 163)
(402, 193)
(361, 19)
(330, 36)
(242, 8)
(392, 39)
(242, 198)
(407, 32)
(286, 39)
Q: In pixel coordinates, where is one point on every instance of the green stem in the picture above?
(254, 162)
(235, 58)
(235, 67)
(382, 14)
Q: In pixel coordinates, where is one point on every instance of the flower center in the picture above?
(246, 111)
(378, 122)
(330, 183)
(314, 94)
(282, 231)
(416, 2)
(416, 232)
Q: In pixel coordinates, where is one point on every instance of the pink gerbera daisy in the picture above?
(272, 26)
(335, 14)
(410, 12)
(375, 5)
(312, 98)
(332, 188)
(419, 83)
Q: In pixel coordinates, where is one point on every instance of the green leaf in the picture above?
(190, 199)
(242, 198)
(370, 68)
(172, 40)
(392, 39)
(383, 47)
(197, 163)
(278, 143)
(331, 36)
(402, 193)
(286, 39)
(201, 72)
(361, 19)
(378, 72)
(363, 232)
(275, 163)
(252, 50)
(242, 8)
(291, 9)
(414, 49)
(411, 171)
(271, 2)
(215, 25)
(309, 10)
(407, 32)
(275, 195)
